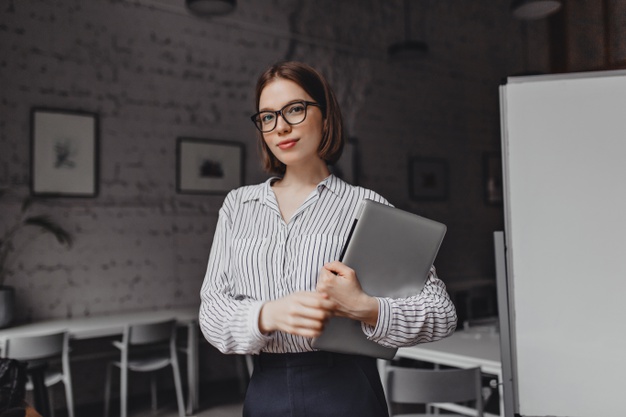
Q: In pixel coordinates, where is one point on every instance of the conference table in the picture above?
(113, 324)
(468, 348)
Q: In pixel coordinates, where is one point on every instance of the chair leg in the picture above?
(50, 401)
(69, 394)
(153, 391)
(124, 392)
(178, 384)
(40, 392)
(107, 390)
(67, 376)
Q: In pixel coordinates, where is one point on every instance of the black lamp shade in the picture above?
(211, 7)
(407, 50)
(534, 9)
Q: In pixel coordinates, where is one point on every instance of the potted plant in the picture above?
(25, 219)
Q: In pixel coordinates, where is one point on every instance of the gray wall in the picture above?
(153, 73)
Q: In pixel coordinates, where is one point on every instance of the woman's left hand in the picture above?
(342, 286)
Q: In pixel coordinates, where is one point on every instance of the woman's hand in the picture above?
(341, 285)
(300, 313)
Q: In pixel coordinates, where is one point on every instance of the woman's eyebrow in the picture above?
(286, 104)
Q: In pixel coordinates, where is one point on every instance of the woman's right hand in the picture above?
(301, 313)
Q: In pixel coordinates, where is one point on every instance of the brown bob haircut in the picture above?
(318, 88)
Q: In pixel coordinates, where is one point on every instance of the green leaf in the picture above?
(28, 201)
(49, 225)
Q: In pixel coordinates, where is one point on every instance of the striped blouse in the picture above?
(256, 256)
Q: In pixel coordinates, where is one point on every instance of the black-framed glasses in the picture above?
(293, 113)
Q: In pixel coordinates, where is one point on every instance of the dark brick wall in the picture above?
(153, 73)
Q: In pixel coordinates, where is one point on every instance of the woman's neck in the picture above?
(304, 177)
(297, 183)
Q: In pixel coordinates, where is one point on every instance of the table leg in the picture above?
(193, 367)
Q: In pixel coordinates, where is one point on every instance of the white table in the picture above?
(113, 325)
(463, 349)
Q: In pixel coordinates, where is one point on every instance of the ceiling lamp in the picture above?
(211, 7)
(407, 49)
(534, 9)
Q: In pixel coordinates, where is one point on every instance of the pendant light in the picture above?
(211, 7)
(407, 49)
(534, 9)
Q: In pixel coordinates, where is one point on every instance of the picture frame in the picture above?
(346, 167)
(492, 178)
(428, 179)
(208, 166)
(64, 153)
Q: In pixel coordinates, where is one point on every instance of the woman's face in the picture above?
(292, 144)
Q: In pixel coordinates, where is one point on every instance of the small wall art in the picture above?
(207, 166)
(64, 153)
(428, 179)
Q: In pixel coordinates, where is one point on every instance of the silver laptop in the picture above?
(391, 251)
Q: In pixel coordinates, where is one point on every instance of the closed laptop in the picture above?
(391, 251)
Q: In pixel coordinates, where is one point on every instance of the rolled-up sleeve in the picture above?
(425, 317)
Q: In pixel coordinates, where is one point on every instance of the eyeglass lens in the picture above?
(293, 114)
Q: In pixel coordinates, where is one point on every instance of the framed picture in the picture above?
(492, 177)
(428, 179)
(206, 166)
(64, 153)
(346, 167)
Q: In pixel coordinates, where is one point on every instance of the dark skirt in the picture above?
(314, 384)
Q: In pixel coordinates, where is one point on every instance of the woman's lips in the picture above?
(286, 144)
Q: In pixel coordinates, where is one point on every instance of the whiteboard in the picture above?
(564, 167)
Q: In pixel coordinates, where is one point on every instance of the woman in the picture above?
(273, 278)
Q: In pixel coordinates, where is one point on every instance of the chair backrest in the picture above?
(143, 333)
(422, 386)
(35, 347)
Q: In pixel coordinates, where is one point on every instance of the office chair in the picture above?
(36, 351)
(145, 335)
(427, 386)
